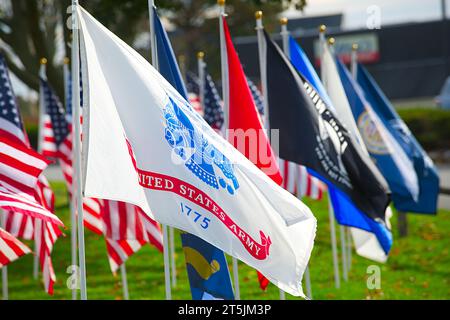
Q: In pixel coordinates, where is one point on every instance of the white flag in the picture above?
(338, 97)
(366, 243)
(146, 145)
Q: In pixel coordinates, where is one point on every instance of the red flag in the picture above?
(244, 117)
(246, 129)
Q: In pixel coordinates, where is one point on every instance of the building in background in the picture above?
(409, 60)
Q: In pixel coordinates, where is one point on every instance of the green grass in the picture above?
(418, 268)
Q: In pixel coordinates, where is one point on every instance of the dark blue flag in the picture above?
(207, 267)
(390, 158)
(423, 165)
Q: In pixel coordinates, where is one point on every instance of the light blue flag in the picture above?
(207, 267)
(424, 167)
(345, 211)
(301, 62)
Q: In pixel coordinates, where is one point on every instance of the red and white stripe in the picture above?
(299, 182)
(91, 207)
(23, 220)
(194, 100)
(127, 228)
(48, 144)
(31, 214)
(120, 250)
(20, 225)
(10, 248)
(20, 167)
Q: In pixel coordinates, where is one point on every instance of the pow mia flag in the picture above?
(311, 135)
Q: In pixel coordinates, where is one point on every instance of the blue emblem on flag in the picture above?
(199, 156)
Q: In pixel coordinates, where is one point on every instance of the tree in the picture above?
(31, 29)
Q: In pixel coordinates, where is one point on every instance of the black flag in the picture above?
(312, 136)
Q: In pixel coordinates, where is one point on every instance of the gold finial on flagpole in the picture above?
(66, 60)
(284, 21)
(221, 2)
(258, 14)
(322, 28)
(355, 47)
(43, 61)
(331, 41)
(200, 55)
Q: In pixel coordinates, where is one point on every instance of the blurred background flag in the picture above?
(10, 248)
(257, 97)
(426, 171)
(217, 285)
(212, 106)
(309, 135)
(193, 90)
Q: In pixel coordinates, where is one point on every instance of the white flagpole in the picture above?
(77, 191)
(354, 61)
(201, 77)
(224, 68)
(334, 244)
(285, 38)
(5, 268)
(337, 282)
(342, 231)
(43, 75)
(343, 235)
(262, 69)
(226, 110)
(73, 216)
(172, 256)
(155, 64)
(123, 275)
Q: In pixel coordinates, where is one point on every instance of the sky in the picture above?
(355, 16)
(391, 11)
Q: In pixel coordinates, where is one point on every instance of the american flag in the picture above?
(298, 181)
(257, 97)
(125, 227)
(193, 90)
(213, 110)
(10, 248)
(20, 167)
(17, 223)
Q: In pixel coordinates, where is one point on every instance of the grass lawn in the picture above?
(418, 267)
